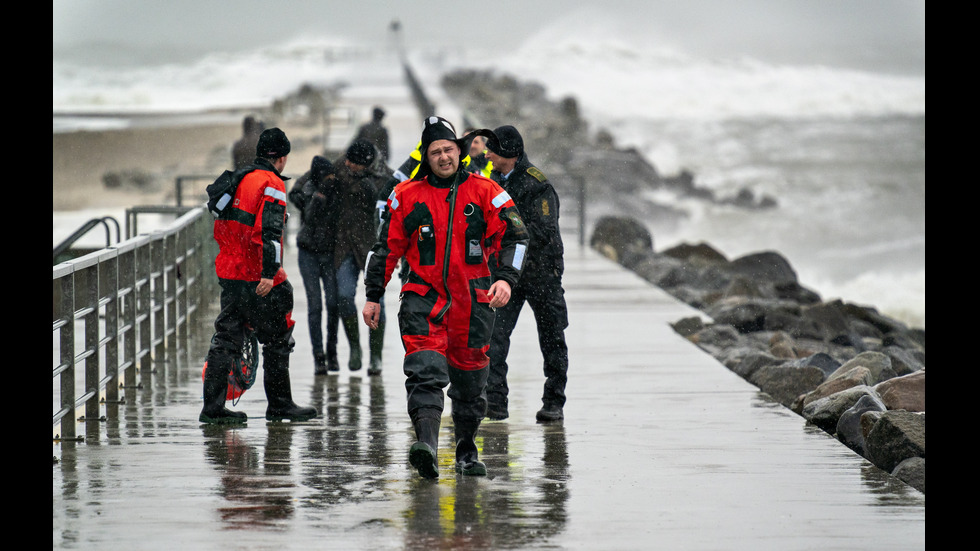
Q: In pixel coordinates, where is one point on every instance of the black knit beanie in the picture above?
(320, 168)
(272, 144)
(361, 152)
(437, 128)
(507, 142)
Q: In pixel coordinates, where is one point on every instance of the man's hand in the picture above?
(499, 294)
(265, 285)
(372, 314)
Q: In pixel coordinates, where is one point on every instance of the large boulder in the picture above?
(849, 429)
(619, 236)
(768, 266)
(785, 384)
(907, 392)
(912, 471)
(895, 437)
(856, 376)
(879, 366)
(826, 412)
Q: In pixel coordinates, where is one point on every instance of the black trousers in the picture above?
(270, 316)
(546, 297)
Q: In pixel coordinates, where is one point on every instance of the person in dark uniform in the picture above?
(540, 285)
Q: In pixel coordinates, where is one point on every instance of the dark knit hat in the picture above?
(273, 144)
(507, 142)
(361, 152)
(320, 168)
(378, 113)
(437, 128)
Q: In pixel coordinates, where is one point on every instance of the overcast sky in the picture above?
(794, 30)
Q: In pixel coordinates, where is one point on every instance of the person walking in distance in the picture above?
(446, 222)
(254, 288)
(540, 285)
(375, 132)
(243, 150)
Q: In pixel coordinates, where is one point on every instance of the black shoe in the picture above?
(292, 412)
(550, 412)
(332, 364)
(423, 458)
(223, 416)
(471, 468)
(320, 366)
(496, 412)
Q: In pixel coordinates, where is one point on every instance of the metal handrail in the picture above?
(118, 310)
(84, 229)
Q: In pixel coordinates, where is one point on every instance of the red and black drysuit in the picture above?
(250, 239)
(446, 229)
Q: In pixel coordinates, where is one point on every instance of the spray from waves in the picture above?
(893, 294)
(617, 74)
(216, 81)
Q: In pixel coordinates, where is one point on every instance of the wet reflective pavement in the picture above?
(661, 448)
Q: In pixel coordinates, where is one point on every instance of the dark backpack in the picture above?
(222, 191)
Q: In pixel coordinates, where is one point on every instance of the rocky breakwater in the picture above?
(845, 368)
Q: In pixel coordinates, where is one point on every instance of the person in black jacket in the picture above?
(540, 284)
(314, 194)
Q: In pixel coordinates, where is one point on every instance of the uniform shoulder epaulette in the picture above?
(538, 175)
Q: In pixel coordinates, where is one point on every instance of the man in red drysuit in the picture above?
(254, 288)
(446, 222)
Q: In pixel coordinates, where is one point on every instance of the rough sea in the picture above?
(842, 150)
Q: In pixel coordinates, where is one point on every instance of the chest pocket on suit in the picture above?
(476, 226)
(420, 220)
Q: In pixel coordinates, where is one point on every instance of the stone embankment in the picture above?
(845, 368)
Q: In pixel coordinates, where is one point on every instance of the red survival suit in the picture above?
(447, 229)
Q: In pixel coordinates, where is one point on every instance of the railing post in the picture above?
(90, 303)
(159, 302)
(66, 316)
(109, 288)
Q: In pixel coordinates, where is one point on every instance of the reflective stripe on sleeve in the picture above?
(499, 200)
(519, 256)
(275, 194)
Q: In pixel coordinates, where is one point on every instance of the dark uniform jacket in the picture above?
(355, 202)
(537, 202)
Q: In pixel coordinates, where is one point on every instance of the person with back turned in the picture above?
(375, 132)
(446, 222)
(540, 285)
(254, 288)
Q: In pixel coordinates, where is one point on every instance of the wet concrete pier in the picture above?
(662, 447)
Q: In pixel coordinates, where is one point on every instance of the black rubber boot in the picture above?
(332, 328)
(215, 394)
(496, 406)
(279, 392)
(549, 413)
(354, 339)
(376, 341)
(422, 455)
(467, 455)
(319, 364)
